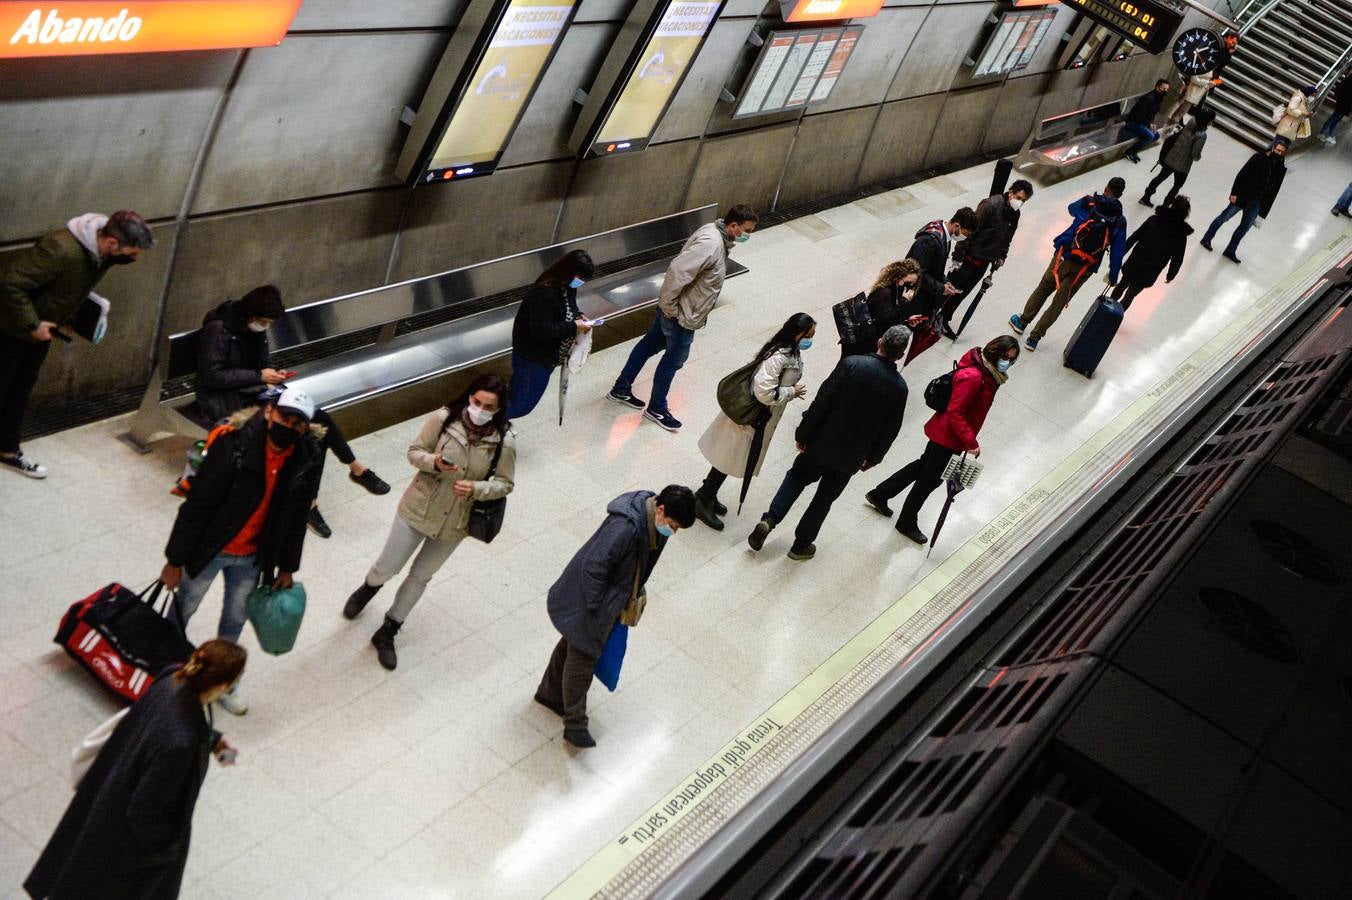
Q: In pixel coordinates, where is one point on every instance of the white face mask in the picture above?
(259, 327)
(1015, 203)
(478, 415)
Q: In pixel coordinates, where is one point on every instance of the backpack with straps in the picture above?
(940, 390)
(1091, 239)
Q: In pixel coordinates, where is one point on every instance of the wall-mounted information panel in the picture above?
(1147, 23)
(644, 78)
(795, 68)
(1014, 42)
(796, 11)
(478, 93)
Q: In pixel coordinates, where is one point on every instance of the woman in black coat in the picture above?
(547, 323)
(126, 831)
(1159, 242)
(894, 298)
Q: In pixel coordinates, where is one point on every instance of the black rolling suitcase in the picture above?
(1090, 341)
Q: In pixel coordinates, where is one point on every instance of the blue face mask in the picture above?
(576, 283)
(665, 530)
(742, 238)
(1004, 364)
(804, 343)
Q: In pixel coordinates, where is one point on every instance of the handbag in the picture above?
(735, 397)
(486, 516)
(123, 639)
(637, 603)
(608, 664)
(85, 752)
(962, 470)
(276, 616)
(854, 321)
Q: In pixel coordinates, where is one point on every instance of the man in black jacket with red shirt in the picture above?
(1253, 193)
(244, 517)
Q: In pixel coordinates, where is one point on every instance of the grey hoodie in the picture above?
(86, 231)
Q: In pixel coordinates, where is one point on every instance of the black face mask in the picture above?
(282, 436)
(119, 259)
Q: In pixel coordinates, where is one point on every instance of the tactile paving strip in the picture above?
(1027, 517)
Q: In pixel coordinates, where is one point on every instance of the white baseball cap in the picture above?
(294, 400)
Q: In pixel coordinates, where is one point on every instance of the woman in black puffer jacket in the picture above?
(1160, 242)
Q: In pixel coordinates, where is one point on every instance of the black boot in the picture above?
(383, 641)
(357, 602)
(707, 512)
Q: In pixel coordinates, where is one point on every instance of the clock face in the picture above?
(1196, 51)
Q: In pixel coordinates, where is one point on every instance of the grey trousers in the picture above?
(566, 681)
(403, 541)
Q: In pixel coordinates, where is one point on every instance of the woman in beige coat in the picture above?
(727, 445)
(1293, 121)
(453, 454)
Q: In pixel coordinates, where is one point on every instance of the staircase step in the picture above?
(1265, 79)
(1294, 53)
(1338, 12)
(1318, 16)
(1321, 43)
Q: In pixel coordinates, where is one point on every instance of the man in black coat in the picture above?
(849, 428)
(1140, 119)
(244, 517)
(1160, 242)
(931, 249)
(997, 218)
(608, 572)
(1253, 193)
(234, 364)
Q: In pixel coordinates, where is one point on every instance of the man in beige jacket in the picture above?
(689, 292)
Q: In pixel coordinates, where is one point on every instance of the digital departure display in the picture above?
(654, 75)
(518, 40)
(1015, 40)
(1147, 23)
(796, 68)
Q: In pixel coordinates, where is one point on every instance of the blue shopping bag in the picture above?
(276, 616)
(612, 657)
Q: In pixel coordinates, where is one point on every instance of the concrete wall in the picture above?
(294, 184)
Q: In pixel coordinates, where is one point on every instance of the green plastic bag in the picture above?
(276, 616)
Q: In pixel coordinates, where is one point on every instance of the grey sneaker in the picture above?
(24, 466)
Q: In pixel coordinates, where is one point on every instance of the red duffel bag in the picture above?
(124, 639)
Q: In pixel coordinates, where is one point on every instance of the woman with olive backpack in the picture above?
(774, 377)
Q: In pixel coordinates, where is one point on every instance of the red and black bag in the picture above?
(124, 639)
(1092, 237)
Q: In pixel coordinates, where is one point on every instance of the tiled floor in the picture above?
(444, 779)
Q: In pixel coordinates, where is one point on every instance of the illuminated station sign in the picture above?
(828, 10)
(149, 26)
(1150, 24)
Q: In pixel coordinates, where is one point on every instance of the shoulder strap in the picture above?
(497, 454)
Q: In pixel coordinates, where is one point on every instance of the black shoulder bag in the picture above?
(485, 516)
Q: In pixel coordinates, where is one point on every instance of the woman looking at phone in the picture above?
(234, 365)
(547, 323)
(453, 453)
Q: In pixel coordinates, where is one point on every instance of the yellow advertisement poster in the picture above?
(659, 71)
(502, 83)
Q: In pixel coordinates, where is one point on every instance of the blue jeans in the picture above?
(666, 336)
(529, 380)
(1234, 209)
(1345, 199)
(1143, 134)
(1331, 123)
(241, 577)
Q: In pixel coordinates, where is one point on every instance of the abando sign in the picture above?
(147, 26)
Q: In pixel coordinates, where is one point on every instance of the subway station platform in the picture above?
(444, 779)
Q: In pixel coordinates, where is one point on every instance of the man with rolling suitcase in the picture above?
(1098, 229)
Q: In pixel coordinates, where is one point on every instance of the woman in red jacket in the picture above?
(979, 375)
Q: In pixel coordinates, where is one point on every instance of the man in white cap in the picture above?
(245, 513)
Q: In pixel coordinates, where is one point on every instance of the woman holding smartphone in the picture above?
(453, 453)
(547, 323)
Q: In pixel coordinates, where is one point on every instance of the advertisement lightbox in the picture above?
(650, 77)
(489, 73)
(140, 26)
(796, 11)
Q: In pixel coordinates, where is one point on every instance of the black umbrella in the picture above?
(753, 455)
(971, 307)
(954, 487)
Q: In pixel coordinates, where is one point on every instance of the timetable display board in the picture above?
(481, 89)
(655, 72)
(1016, 39)
(796, 68)
(1150, 24)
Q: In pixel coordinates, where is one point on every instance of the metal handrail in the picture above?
(1246, 24)
(1330, 77)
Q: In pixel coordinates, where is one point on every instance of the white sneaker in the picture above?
(24, 466)
(233, 703)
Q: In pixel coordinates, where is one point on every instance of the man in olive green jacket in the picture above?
(41, 289)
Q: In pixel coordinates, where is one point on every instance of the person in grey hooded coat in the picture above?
(601, 578)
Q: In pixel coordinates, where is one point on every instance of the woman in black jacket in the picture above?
(547, 323)
(1159, 242)
(893, 299)
(234, 365)
(126, 831)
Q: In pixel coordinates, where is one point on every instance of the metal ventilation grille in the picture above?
(1076, 619)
